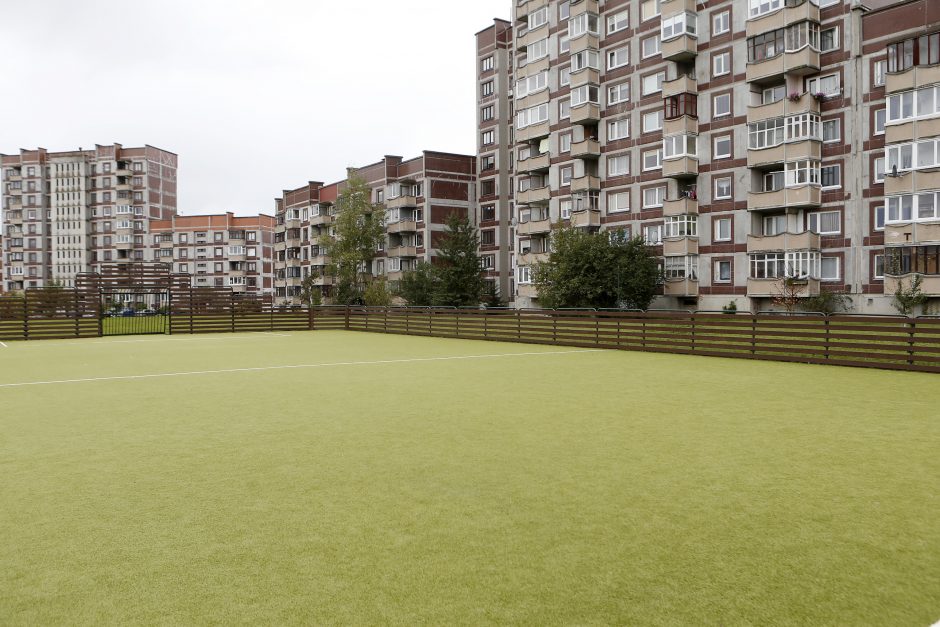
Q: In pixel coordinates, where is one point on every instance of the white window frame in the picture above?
(730, 180)
(815, 222)
(657, 86)
(722, 138)
(618, 165)
(657, 155)
(721, 23)
(717, 235)
(618, 58)
(618, 22)
(722, 59)
(715, 100)
(619, 93)
(618, 202)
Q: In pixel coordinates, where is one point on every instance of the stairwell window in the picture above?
(721, 64)
(824, 222)
(830, 176)
(721, 23)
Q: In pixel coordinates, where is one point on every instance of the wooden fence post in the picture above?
(347, 317)
(518, 324)
(232, 310)
(911, 329)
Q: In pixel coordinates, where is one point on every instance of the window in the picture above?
(653, 235)
(679, 105)
(529, 117)
(829, 269)
(653, 83)
(722, 147)
(649, 9)
(880, 115)
(618, 93)
(913, 207)
(585, 59)
(830, 176)
(536, 50)
(584, 23)
(797, 264)
(774, 225)
(652, 159)
(879, 270)
(564, 142)
(489, 137)
(722, 271)
(774, 94)
(564, 208)
(487, 162)
(487, 113)
(584, 95)
(564, 10)
(828, 39)
(722, 188)
(618, 58)
(824, 222)
(653, 197)
(618, 202)
(761, 7)
(924, 50)
(680, 226)
(487, 65)
(721, 230)
(531, 84)
(825, 85)
(618, 166)
(721, 63)
(650, 46)
(676, 25)
(538, 18)
(680, 146)
(721, 105)
(721, 23)
(564, 175)
(618, 129)
(564, 76)
(486, 89)
(564, 109)
(618, 22)
(685, 267)
(880, 170)
(653, 121)
(879, 68)
(831, 130)
(523, 275)
(564, 43)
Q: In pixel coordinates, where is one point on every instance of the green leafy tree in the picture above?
(359, 231)
(310, 293)
(907, 299)
(596, 270)
(417, 286)
(377, 294)
(459, 277)
(826, 302)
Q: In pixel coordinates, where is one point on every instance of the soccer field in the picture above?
(341, 477)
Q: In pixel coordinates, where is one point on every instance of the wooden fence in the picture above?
(890, 342)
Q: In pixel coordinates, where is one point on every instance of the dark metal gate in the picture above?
(134, 312)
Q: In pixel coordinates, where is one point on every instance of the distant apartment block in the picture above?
(221, 250)
(418, 195)
(64, 213)
(743, 140)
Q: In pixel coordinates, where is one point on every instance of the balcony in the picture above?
(532, 36)
(539, 65)
(589, 112)
(402, 226)
(772, 110)
(680, 287)
(774, 287)
(682, 125)
(319, 260)
(402, 201)
(789, 151)
(535, 164)
(402, 251)
(531, 258)
(585, 6)
(783, 242)
(533, 131)
(585, 77)
(905, 132)
(912, 233)
(930, 285)
(783, 17)
(681, 48)
(680, 207)
(785, 198)
(800, 62)
(681, 168)
(534, 227)
(586, 41)
(685, 84)
(912, 78)
(586, 218)
(586, 149)
(323, 218)
(527, 290)
(536, 195)
(585, 183)
(680, 246)
(912, 182)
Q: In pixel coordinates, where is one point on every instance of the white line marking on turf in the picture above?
(3, 345)
(263, 368)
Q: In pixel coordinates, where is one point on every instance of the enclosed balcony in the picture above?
(772, 288)
(679, 30)
(790, 12)
(676, 246)
(587, 76)
(796, 197)
(680, 287)
(680, 167)
(804, 103)
(909, 182)
(783, 242)
(788, 151)
(680, 206)
(774, 69)
(912, 233)
(684, 84)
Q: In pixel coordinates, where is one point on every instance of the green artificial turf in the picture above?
(585, 488)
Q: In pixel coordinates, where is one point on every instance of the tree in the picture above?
(310, 293)
(826, 302)
(458, 273)
(360, 230)
(491, 295)
(417, 286)
(907, 299)
(789, 293)
(377, 294)
(596, 270)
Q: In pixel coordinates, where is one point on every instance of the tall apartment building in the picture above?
(496, 166)
(418, 194)
(737, 137)
(65, 212)
(220, 250)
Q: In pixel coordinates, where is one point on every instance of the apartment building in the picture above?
(496, 166)
(738, 138)
(902, 51)
(221, 250)
(418, 195)
(63, 213)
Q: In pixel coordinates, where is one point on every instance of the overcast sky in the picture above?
(254, 96)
